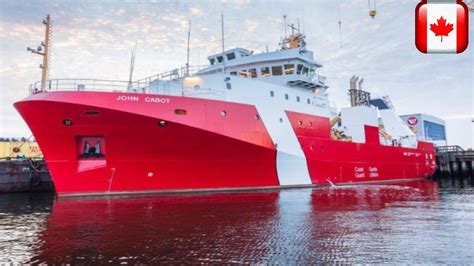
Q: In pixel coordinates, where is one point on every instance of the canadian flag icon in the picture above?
(441, 26)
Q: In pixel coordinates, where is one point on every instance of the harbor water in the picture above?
(422, 222)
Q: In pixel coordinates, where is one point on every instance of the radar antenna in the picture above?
(187, 56)
(340, 23)
(46, 46)
(132, 65)
(223, 49)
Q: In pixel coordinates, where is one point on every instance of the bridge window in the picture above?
(299, 68)
(289, 69)
(305, 71)
(252, 73)
(265, 71)
(243, 73)
(230, 56)
(277, 70)
(220, 58)
(311, 72)
(212, 60)
(234, 73)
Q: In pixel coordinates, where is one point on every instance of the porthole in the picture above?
(281, 120)
(162, 123)
(300, 123)
(272, 93)
(298, 98)
(310, 123)
(257, 117)
(67, 122)
(286, 97)
(180, 112)
(223, 113)
(92, 112)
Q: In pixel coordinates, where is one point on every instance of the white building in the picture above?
(427, 128)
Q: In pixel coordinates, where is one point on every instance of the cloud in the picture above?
(251, 24)
(196, 11)
(457, 117)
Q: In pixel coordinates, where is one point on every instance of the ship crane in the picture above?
(44, 51)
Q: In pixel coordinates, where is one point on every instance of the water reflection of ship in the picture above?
(218, 228)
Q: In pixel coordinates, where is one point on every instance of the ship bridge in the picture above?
(292, 65)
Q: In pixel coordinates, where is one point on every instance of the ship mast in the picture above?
(46, 53)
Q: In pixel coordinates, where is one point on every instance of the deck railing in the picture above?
(168, 83)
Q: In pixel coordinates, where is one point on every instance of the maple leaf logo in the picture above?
(441, 28)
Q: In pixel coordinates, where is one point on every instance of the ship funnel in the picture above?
(360, 84)
(351, 82)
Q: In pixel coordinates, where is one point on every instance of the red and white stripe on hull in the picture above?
(347, 162)
(216, 145)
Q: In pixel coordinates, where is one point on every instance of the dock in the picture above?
(454, 162)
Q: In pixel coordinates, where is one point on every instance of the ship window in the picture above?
(311, 72)
(289, 69)
(277, 70)
(299, 68)
(252, 73)
(220, 58)
(272, 93)
(234, 73)
(265, 71)
(92, 113)
(308, 101)
(298, 98)
(228, 85)
(305, 71)
(230, 56)
(243, 73)
(212, 60)
(180, 112)
(286, 96)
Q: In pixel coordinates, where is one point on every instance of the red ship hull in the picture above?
(152, 143)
